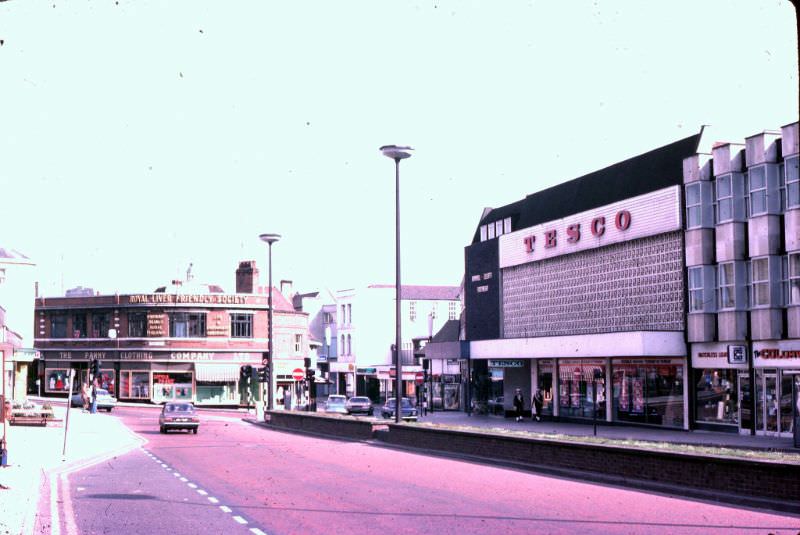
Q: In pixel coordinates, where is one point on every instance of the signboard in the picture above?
(366, 371)
(420, 377)
(298, 374)
(737, 355)
(506, 363)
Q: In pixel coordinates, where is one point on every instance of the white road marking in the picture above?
(184, 479)
(240, 519)
(176, 474)
(192, 485)
(55, 523)
(225, 508)
(212, 499)
(201, 491)
(257, 531)
(81, 488)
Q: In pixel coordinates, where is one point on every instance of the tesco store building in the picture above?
(578, 290)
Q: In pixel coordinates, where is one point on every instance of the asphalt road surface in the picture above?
(234, 477)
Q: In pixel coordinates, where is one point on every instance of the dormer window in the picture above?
(495, 229)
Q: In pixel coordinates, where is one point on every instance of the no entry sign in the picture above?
(298, 374)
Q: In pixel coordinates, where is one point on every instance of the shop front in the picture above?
(649, 391)
(721, 383)
(777, 367)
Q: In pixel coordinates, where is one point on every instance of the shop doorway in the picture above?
(745, 400)
(773, 403)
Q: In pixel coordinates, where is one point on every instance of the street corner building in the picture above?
(185, 341)
(663, 290)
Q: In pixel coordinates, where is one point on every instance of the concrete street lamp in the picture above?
(270, 239)
(397, 153)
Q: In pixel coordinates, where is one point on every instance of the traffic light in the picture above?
(263, 373)
(245, 372)
(254, 373)
(310, 375)
(95, 367)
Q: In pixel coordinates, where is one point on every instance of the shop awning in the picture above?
(216, 371)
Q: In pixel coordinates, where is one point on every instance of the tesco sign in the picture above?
(638, 217)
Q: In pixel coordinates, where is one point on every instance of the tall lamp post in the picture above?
(397, 153)
(270, 239)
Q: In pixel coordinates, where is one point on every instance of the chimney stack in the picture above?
(247, 277)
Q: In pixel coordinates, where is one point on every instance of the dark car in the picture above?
(178, 415)
(495, 405)
(105, 401)
(407, 410)
(359, 405)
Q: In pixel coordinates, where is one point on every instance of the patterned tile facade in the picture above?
(630, 286)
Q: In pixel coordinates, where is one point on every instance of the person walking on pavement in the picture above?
(519, 404)
(94, 398)
(85, 396)
(536, 408)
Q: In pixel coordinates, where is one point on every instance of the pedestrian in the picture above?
(519, 404)
(536, 406)
(85, 396)
(94, 398)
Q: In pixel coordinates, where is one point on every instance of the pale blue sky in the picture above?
(140, 136)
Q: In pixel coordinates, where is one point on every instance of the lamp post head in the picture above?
(396, 152)
(270, 238)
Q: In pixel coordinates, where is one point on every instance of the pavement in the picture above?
(617, 432)
(37, 455)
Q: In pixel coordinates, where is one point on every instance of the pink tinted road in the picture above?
(289, 483)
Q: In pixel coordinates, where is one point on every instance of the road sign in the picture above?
(420, 378)
(298, 374)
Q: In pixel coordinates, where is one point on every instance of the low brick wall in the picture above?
(311, 422)
(746, 477)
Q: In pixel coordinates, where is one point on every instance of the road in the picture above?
(235, 477)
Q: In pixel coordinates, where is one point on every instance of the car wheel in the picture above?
(194, 430)
(109, 409)
(162, 430)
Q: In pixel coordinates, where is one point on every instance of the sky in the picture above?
(139, 137)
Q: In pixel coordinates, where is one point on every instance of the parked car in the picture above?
(495, 405)
(178, 415)
(336, 404)
(105, 401)
(359, 405)
(407, 410)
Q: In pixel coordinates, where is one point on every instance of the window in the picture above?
(727, 287)
(349, 313)
(491, 231)
(327, 318)
(241, 325)
(412, 310)
(506, 225)
(344, 318)
(434, 306)
(342, 349)
(498, 225)
(696, 299)
(100, 324)
(483, 233)
(79, 329)
(298, 343)
(792, 279)
(452, 311)
(792, 182)
(758, 190)
(759, 269)
(349, 345)
(724, 199)
(187, 324)
(58, 327)
(137, 324)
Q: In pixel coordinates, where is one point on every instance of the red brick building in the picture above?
(186, 341)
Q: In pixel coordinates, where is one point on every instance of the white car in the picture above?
(105, 401)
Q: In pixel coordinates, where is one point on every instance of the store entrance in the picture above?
(773, 403)
(745, 401)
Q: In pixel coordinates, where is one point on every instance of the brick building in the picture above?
(186, 341)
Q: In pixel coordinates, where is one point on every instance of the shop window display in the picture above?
(134, 385)
(57, 380)
(649, 392)
(717, 397)
(578, 380)
(169, 386)
(545, 382)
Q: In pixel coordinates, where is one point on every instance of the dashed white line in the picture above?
(240, 519)
(225, 508)
(176, 474)
(257, 531)
(201, 491)
(212, 499)
(184, 479)
(192, 485)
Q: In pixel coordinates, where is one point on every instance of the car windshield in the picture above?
(359, 400)
(178, 407)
